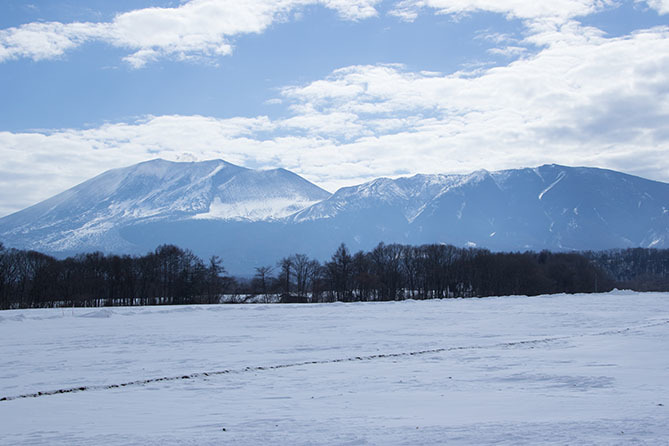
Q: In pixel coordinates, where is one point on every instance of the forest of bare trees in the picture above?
(638, 269)
(171, 275)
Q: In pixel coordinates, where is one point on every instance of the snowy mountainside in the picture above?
(548, 207)
(408, 196)
(90, 214)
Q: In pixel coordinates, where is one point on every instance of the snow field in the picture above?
(581, 369)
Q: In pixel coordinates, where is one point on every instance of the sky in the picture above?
(338, 91)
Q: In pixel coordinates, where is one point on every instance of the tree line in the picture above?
(171, 275)
(435, 271)
(638, 269)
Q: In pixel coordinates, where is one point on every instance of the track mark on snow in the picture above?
(531, 343)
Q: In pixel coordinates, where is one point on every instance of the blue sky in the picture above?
(339, 91)
(294, 52)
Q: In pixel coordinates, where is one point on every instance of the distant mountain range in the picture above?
(254, 217)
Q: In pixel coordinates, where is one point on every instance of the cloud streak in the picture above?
(558, 10)
(195, 29)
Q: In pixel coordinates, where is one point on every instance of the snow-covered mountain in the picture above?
(253, 218)
(552, 207)
(92, 214)
(548, 207)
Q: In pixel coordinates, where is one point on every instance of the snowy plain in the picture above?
(563, 369)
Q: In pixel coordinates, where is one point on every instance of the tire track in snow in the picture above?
(140, 382)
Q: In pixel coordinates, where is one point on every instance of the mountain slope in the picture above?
(554, 207)
(548, 207)
(91, 214)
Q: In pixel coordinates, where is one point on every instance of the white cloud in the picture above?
(353, 9)
(545, 22)
(496, 37)
(46, 40)
(558, 10)
(334, 124)
(661, 6)
(509, 51)
(197, 28)
(583, 99)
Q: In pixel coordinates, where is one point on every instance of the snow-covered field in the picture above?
(581, 369)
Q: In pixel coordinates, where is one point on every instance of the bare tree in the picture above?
(286, 265)
(339, 273)
(261, 279)
(301, 263)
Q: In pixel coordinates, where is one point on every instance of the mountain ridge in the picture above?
(254, 217)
